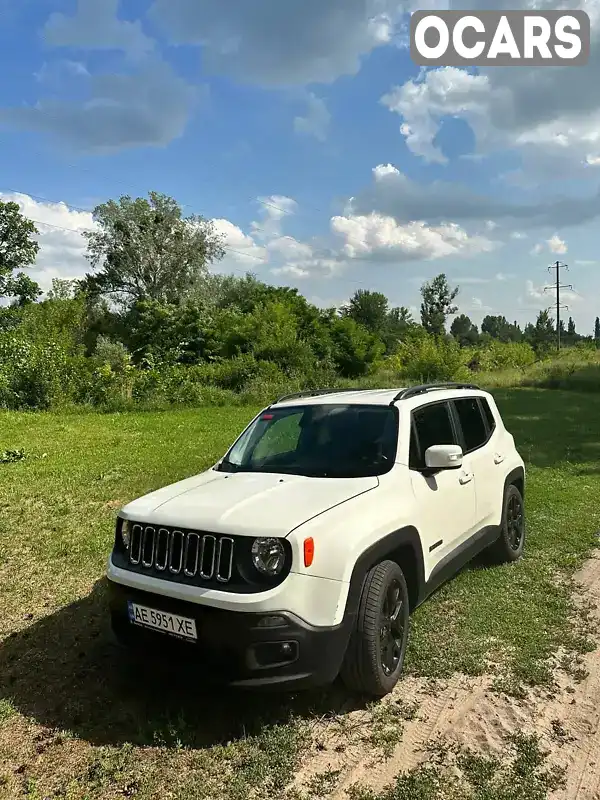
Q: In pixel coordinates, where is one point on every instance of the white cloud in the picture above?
(479, 305)
(518, 235)
(242, 249)
(376, 237)
(62, 245)
(553, 245)
(96, 26)
(297, 42)
(273, 210)
(423, 101)
(316, 120)
(557, 245)
(551, 116)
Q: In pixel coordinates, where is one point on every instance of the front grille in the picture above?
(178, 553)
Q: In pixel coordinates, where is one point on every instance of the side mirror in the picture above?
(444, 456)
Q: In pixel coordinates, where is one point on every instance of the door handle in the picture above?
(498, 459)
(466, 477)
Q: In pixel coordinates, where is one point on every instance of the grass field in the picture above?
(76, 723)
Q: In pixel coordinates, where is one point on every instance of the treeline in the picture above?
(152, 324)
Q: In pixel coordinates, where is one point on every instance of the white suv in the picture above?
(300, 555)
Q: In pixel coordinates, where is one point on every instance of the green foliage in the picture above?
(494, 355)
(35, 374)
(498, 327)
(22, 289)
(542, 335)
(18, 248)
(428, 358)
(464, 331)
(356, 350)
(146, 250)
(437, 305)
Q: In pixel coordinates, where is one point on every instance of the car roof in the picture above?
(379, 397)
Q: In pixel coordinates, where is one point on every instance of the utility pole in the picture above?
(557, 286)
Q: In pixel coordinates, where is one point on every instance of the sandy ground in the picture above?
(467, 711)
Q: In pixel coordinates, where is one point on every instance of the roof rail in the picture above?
(414, 391)
(310, 393)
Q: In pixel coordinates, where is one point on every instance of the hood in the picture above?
(245, 503)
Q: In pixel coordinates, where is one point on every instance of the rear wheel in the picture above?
(509, 545)
(375, 655)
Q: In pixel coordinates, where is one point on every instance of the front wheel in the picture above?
(509, 545)
(375, 655)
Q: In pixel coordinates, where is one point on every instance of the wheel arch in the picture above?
(516, 478)
(402, 546)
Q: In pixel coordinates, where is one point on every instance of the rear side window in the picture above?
(488, 414)
(432, 425)
(472, 423)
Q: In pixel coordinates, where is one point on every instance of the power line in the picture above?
(557, 286)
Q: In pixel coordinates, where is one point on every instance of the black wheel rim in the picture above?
(514, 522)
(391, 628)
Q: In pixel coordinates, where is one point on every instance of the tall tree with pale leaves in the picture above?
(147, 250)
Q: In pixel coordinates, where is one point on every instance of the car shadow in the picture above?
(65, 672)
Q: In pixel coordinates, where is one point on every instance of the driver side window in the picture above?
(280, 437)
(431, 425)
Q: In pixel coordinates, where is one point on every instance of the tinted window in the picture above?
(471, 422)
(488, 413)
(433, 426)
(335, 441)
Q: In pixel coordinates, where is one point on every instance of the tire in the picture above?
(511, 542)
(368, 668)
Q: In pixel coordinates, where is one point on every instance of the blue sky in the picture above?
(324, 155)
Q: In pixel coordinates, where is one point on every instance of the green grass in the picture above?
(75, 723)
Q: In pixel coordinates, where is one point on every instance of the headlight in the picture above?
(268, 556)
(126, 533)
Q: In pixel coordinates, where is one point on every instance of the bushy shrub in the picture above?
(37, 375)
(427, 358)
(496, 355)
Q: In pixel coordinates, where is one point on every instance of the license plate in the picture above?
(183, 627)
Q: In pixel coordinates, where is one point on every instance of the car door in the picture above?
(478, 435)
(445, 500)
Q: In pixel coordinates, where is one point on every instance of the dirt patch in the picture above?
(372, 747)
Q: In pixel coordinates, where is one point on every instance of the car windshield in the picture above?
(325, 441)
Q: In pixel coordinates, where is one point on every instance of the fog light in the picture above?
(273, 654)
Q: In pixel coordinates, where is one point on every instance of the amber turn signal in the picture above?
(309, 552)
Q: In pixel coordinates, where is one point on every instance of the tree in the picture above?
(498, 327)
(22, 288)
(542, 335)
(18, 248)
(571, 332)
(369, 309)
(464, 331)
(597, 330)
(146, 250)
(437, 304)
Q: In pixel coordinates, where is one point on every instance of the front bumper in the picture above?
(231, 647)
